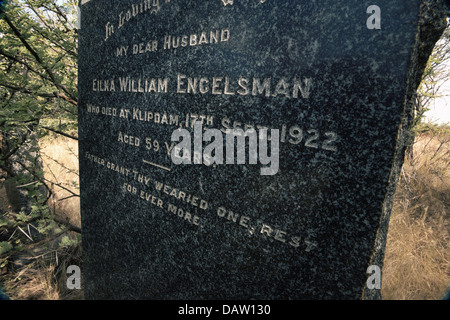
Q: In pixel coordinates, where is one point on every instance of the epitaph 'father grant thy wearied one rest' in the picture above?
(334, 79)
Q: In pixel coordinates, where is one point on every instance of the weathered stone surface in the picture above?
(337, 86)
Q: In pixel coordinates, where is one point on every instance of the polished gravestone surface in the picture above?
(330, 81)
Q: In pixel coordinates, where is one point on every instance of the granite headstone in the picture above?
(336, 79)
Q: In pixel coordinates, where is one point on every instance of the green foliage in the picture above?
(22, 217)
(66, 241)
(38, 95)
(5, 222)
(5, 247)
(38, 70)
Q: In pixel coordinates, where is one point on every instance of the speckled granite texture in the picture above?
(340, 95)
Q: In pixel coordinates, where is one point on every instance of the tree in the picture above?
(437, 71)
(38, 90)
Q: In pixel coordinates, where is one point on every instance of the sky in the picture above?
(440, 107)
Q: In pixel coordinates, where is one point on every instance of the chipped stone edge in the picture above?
(431, 19)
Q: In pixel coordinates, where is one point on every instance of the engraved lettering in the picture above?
(225, 85)
(196, 39)
(259, 88)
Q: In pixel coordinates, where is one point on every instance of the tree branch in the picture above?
(27, 91)
(59, 132)
(37, 57)
(71, 101)
(14, 150)
(40, 94)
(7, 55)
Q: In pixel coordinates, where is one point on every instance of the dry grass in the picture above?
(34, 283)
(417, 261)
(45, 278)
(60, 163)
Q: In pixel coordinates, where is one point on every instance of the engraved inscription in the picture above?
(244, 86)
(292, 134)
(195, 210)
(172, 42)
(196, 39)
(293, 88)
(151, 7)
(174, 202)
